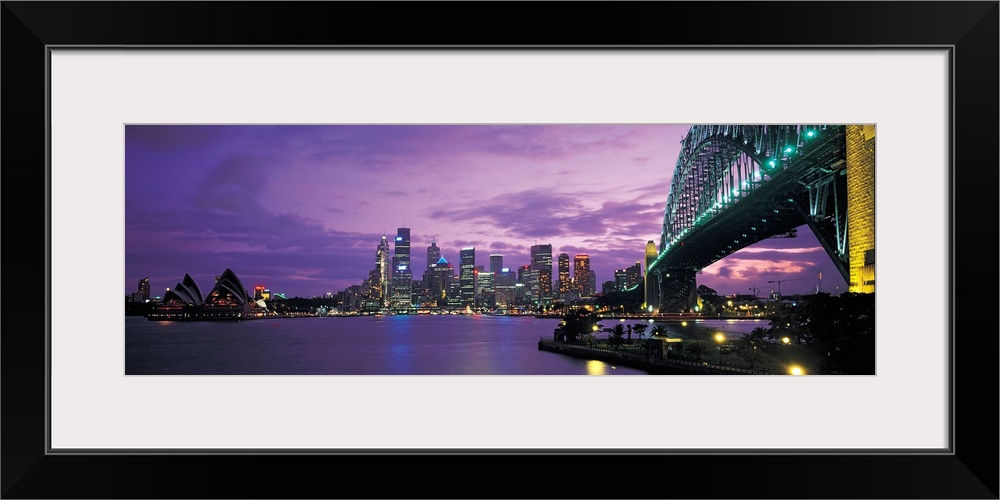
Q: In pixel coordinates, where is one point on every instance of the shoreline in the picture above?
(645, 363)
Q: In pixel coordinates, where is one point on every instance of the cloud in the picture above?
(232, 187)
(280, 248)
(743, 268)
(173, 137)
(541, 214)
(459, 244)
(552, 142)
(503, 245)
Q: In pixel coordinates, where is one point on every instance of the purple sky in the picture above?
(301, 209)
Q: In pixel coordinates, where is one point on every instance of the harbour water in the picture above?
(365, 345)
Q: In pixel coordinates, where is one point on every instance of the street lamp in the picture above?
(796, 370)
(786, 340)
(719, 339)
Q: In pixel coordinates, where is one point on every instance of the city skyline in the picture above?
(302, 209)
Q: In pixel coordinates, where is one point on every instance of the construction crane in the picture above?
(779, 282)
(754, 289)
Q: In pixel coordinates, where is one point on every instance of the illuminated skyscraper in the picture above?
(541, 262)
(496, 263)
(439, 281)
(581, 274)
(633, 275)
(402, 275)
(143, 291)
(505, 283)
(524, 275)
(433, 254)
(486, 289)
(650, 285)
(466, 275)
(380, 289)
(565, 284)
(620, 280)
(528, 281)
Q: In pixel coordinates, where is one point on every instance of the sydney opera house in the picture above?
(228, 300)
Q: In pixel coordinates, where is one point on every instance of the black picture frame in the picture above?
(969, 28)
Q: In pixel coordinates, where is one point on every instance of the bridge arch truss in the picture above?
(735, 185)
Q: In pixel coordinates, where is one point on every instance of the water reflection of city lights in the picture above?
(595, 367)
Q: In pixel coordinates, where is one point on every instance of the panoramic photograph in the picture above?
(472, 249)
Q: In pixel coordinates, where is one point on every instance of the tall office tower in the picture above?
(581, 274)
(433, 254)
(565, 284)
(454, 298)
(523, 273)
(439, 281)
(486, 289)
(402, 275)
(372, 287)
(350, 298)
(620, 280)
(143, 291)
(466, 275)
(593, 282)
(496, 263)
(633, 275)
(427, 280)
(650, 285)
(419, 291)
(541, 262)
(525, 282)
(504, 282)
(382, 268)
(485, 282)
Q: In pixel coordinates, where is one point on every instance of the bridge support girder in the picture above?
(826, 215)
(678, 290)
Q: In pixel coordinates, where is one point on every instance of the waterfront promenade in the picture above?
(635, 357)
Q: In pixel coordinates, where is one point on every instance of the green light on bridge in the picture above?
(811, 133)
(789, 149)
(771, 163)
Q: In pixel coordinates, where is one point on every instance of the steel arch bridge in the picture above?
(735, 185)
